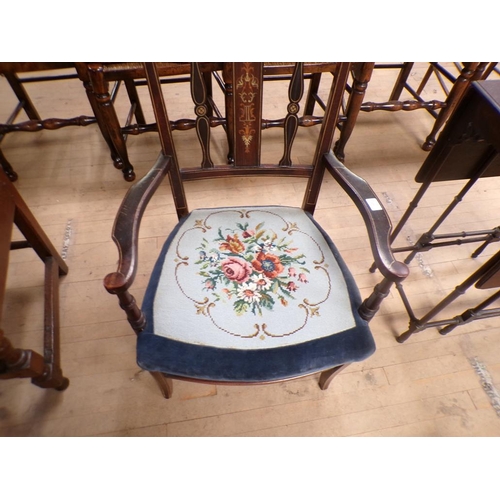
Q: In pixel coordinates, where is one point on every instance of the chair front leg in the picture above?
(327, 376)
(164, 383)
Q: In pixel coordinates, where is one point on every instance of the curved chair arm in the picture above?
(126, 227)
(376, 219)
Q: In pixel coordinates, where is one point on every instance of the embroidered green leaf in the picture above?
(221, 236)
(243, 227)
(288, 260)
(266, 301)
(305, 269)
(240, 307)
(285, 292)
(256, 308)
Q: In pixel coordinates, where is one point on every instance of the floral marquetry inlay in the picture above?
(247, 88)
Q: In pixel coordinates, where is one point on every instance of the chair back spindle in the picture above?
(295, 93)
(200, 97)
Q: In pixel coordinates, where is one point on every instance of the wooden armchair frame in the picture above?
(127, 223)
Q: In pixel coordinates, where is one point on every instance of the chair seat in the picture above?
(250, 294)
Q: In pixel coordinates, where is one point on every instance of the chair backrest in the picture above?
(244, 123)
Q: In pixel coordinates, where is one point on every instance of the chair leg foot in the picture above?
(164, 383)
(327, 376)
(429, 143)
(64, 385)
(52, 378)
(128, 174)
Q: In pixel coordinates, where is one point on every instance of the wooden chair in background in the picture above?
(43, 369)
(453, 92)
(97, 78)
(249, 294)
(440, 109)
(99, 75)
(18, 75)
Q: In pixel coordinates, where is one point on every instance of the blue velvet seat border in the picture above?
(171, 357)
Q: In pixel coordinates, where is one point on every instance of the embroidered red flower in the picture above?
(232, 244)
(248, 233)
(236, 269)
(268, 264)
(292, 287)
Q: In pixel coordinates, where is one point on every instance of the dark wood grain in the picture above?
(44, 370)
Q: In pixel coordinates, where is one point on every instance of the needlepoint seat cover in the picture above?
(250, 294)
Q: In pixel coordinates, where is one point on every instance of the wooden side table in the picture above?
(468, 149)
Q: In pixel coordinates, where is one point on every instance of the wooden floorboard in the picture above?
(429, 386)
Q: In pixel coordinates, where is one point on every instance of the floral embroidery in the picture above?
(268, 264)
(236, 269)
(252, 268)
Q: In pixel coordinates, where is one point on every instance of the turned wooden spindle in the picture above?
(291, 124)
(201, 109)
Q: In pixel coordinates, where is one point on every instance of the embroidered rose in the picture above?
(236, 269)
(268, 264)
(292, 287)
(232, 244)
(303, 278)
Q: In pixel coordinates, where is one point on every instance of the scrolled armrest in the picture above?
(374, 215)
(127, 223)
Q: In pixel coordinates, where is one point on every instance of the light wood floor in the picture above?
(425, 387)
